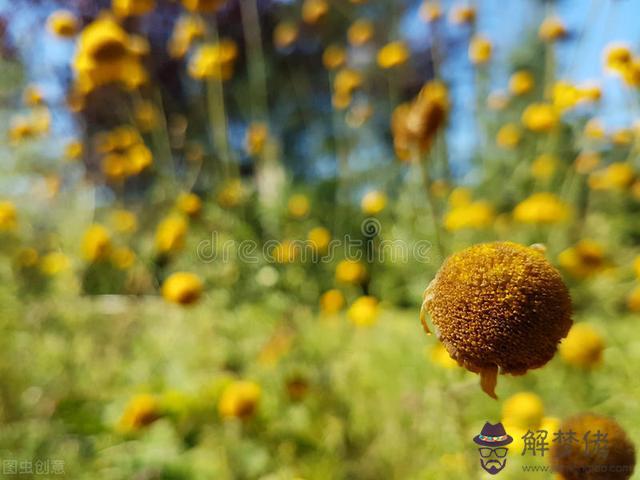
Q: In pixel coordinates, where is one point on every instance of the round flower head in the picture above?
(613, 458)
(183, 288)
(498, 307)
(583, 347)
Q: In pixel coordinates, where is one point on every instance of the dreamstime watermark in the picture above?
(371, 248)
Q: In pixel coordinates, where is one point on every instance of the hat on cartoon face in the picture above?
(493, 436)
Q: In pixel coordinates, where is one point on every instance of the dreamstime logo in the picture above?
(371, 248)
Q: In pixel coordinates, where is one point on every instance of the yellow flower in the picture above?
(461, 14)
(186, 30)
(334, 56)
(439, 355)
(633, 300)
(146, 116)
(256, 138)
(54, 263)
(285, 34)
(21, 128)
(529, 305)
(170, 234)
(132, 8)
(182, 288)
(285, 252)
(314, 10)
(393, 55)
(586, 162)
(63, 23)
(124, 221)
(476, 215)
(189, 204)
(583, 347)
(32, 96)
(232, 194)
(430, 11)
(480, 50)
(298, 206)
(636, 266)
(544, 166)
(351, 271)
(364, 311)
(96, 243)
(319, 237)
(524, 410)
(214, 60)
(332, 301)
(540, 117)
(508, 136)
(360, 32)
(8, 216)
(239, 399)
(142, 410)
(114, 167)
(565, 95)
(459, 197)
(594, 129)
(542, 208)
(74, 150)
(551, 29)
(521, 82)
(203, 6)
(622, 137)
(584, 259)
(373, 202)
(617, 58)
(138, 159)
(616, 176)
(123, 258)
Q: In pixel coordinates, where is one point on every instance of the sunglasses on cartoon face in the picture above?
(498, 452)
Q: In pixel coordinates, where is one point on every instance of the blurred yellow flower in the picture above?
(631, 74)
(33, 96)
(170, 234)
(523, 410)
(123, 258)
(508, 137)
(286, 251)
(540, 117)
(439, 355)
(298, 206)
(430, 11)
(182, 288)
(232, 194)
(239, 399)
(314, 10)
(480, 49)
(373, 202)
(138, 159)
(54, 263)
(594, 129)
(393, 55)
(461, 14)
(8, 216)
(142, 410)
(565, 95)
(617, 57)
(123, 221)
(364, 311)
(96, 243)
(459, 197)
(521, 82)
(189, 204)
(63, 23)
(256, 138)
(583, 347)
(616, 176)
(551, 29)
(351, 271)
(331, 302)
(544, 166)
(285, 34)
(476, 215)
(542, 208)
(203, 6)
(636, 266)
(360, 32)
(633, 300)
(319, 238)
(622, 137)
(585, 259)
(132, 8)
(146, 115)
(214, 60)
(334, 56)
(186, 31)
(74, 150)
(586, 162)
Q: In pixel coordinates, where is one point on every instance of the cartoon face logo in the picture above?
(493, 453)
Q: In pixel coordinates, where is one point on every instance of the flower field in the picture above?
(318, 239)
